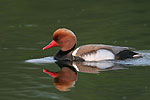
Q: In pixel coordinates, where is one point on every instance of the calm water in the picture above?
(26, 26)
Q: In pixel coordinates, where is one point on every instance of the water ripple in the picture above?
(41, 60)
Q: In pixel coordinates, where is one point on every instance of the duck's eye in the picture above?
(57, 38)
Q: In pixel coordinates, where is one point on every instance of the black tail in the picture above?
(127, 54)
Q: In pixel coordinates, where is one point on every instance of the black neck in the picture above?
(63, 55)
(66, 52)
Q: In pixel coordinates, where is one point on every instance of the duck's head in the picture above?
(63, 38)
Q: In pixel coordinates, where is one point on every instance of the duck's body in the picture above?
(66, 40)
(96, 52)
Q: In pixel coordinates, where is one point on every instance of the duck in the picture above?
(66, 40)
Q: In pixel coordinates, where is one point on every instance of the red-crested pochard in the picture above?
(66, 40)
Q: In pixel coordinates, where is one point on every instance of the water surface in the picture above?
(26, 26)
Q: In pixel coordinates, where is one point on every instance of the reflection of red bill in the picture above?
(52, 74)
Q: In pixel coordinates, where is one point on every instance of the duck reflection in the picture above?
(67, 76)
(96, 67)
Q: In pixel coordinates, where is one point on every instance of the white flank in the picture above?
(75, 51)
(101, 54)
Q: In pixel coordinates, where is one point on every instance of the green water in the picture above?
(26, 26)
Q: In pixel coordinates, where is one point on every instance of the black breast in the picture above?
(64, 55)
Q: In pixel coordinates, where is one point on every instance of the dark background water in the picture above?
(26, 26)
